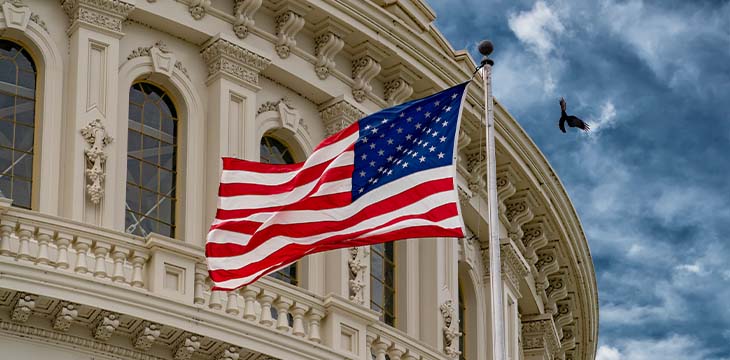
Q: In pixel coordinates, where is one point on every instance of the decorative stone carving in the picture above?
(23, 307)
(107, 324)
(95, 135)
(288, 24)
(67, 312)
(187, 345)
(364, 69)
(273, 105)
(339, 114)
(513, 268)
(539, 336)
(198, 8)
(358, 263)
(519, 211)
(476, 165)
(146, 336)
(451, 330)
(162, 58)
(533, 239)
(230, 352)
(327, 45)
(225, 58)
(37, 19)
(17, 15)
(505, 187)
(463, 196)
(103, 14)
(398, 84)
(244, 11)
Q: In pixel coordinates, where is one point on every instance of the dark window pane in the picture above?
(134, 143)
(147, 226)
(166, 210)
(8, 71)
(23, 165)
(167, 157)
(133, 197)
(6, 133)
(21, 193)
(26, 79)
(167, 181)
(168, 125)
(6, 161)
(5, 185)
(165, 230)
(133, 170)
(24, 110)
(376, 293)
(136, 95)
(149, 176)
(151, 116)
(7, 102)
(24, 138)
(168, 108)
(148, 200)
(135, 113)
(376, 265)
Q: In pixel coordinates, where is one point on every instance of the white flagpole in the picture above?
(495, 264)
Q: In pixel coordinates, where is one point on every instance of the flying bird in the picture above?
(572, 120)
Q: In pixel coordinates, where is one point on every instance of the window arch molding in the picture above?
(476, 311)
(48, 106)
(283, 122)
(191, 137)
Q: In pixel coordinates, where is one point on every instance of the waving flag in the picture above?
(388, 176)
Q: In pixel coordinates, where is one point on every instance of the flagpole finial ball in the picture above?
(486, 47)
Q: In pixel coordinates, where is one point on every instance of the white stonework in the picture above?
(74, 285)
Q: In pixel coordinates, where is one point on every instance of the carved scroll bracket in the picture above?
(289, 20)
(365, 67)
(198, 8)
(398, 82)
(243, 11)
(328, 43)
(96, 136)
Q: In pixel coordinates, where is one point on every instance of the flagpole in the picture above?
(495, 268)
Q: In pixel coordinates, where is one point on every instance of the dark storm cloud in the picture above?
(651, 183)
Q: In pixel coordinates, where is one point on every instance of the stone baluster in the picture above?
(63, 241)
(44, 237)
(298, 310)
(139, 259)
(119, 255)
(215, 300)
(24, 234)
(380, 348)
(100, 251)
(410, 356)
(282, 313)
(265, 299)
(369, 340)
(6, 228)
(396, 351)
(315, 319)
(232, 303)
(81, 246)
(249, 302)
(199, 289)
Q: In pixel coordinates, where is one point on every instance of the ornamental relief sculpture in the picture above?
(97, 138)
(358, 263)
(244, 11)
(451, 330)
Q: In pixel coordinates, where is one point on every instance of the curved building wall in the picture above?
(75, 284)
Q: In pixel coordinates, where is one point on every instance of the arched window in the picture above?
(382, 281)
(462, 323)
(151, 161)
(17, 123)
(274, 151)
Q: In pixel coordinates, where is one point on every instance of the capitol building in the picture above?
(114, 115)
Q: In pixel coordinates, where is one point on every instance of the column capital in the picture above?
(105, 15)
(225, 58)
(339, 113)
(540, 336)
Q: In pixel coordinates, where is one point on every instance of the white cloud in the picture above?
(608, 353)
(691, 268)
(537, 28)
(606, 120)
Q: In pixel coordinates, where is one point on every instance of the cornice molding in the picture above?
(224, 58)
(106, 15)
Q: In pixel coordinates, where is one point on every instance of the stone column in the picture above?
(91, 98)
(346, 270)
(438, 285)
(233, 82)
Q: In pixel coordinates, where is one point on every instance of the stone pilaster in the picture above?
(92, 98)
(233, 82)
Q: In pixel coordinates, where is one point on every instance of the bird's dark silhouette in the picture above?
(572, 120)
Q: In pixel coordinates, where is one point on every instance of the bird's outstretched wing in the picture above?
(580, 124)
(561, 124)
(563, 105)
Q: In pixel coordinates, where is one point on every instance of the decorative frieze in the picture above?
(146, 336)
(23, 307)
(97, 138)
(358, 264)
(225, 58)
(288, 24)
(243, 11)
(108, 323)
(66, 314)
(451, 330)
(339, 114)
(103, 14)
(198, 8)
(539, 336)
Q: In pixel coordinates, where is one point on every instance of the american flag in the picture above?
(388, 176)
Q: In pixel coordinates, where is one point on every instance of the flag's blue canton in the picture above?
(401, 140)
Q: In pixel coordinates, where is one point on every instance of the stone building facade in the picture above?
(113, 117)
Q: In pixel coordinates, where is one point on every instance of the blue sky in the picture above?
(650, 182)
